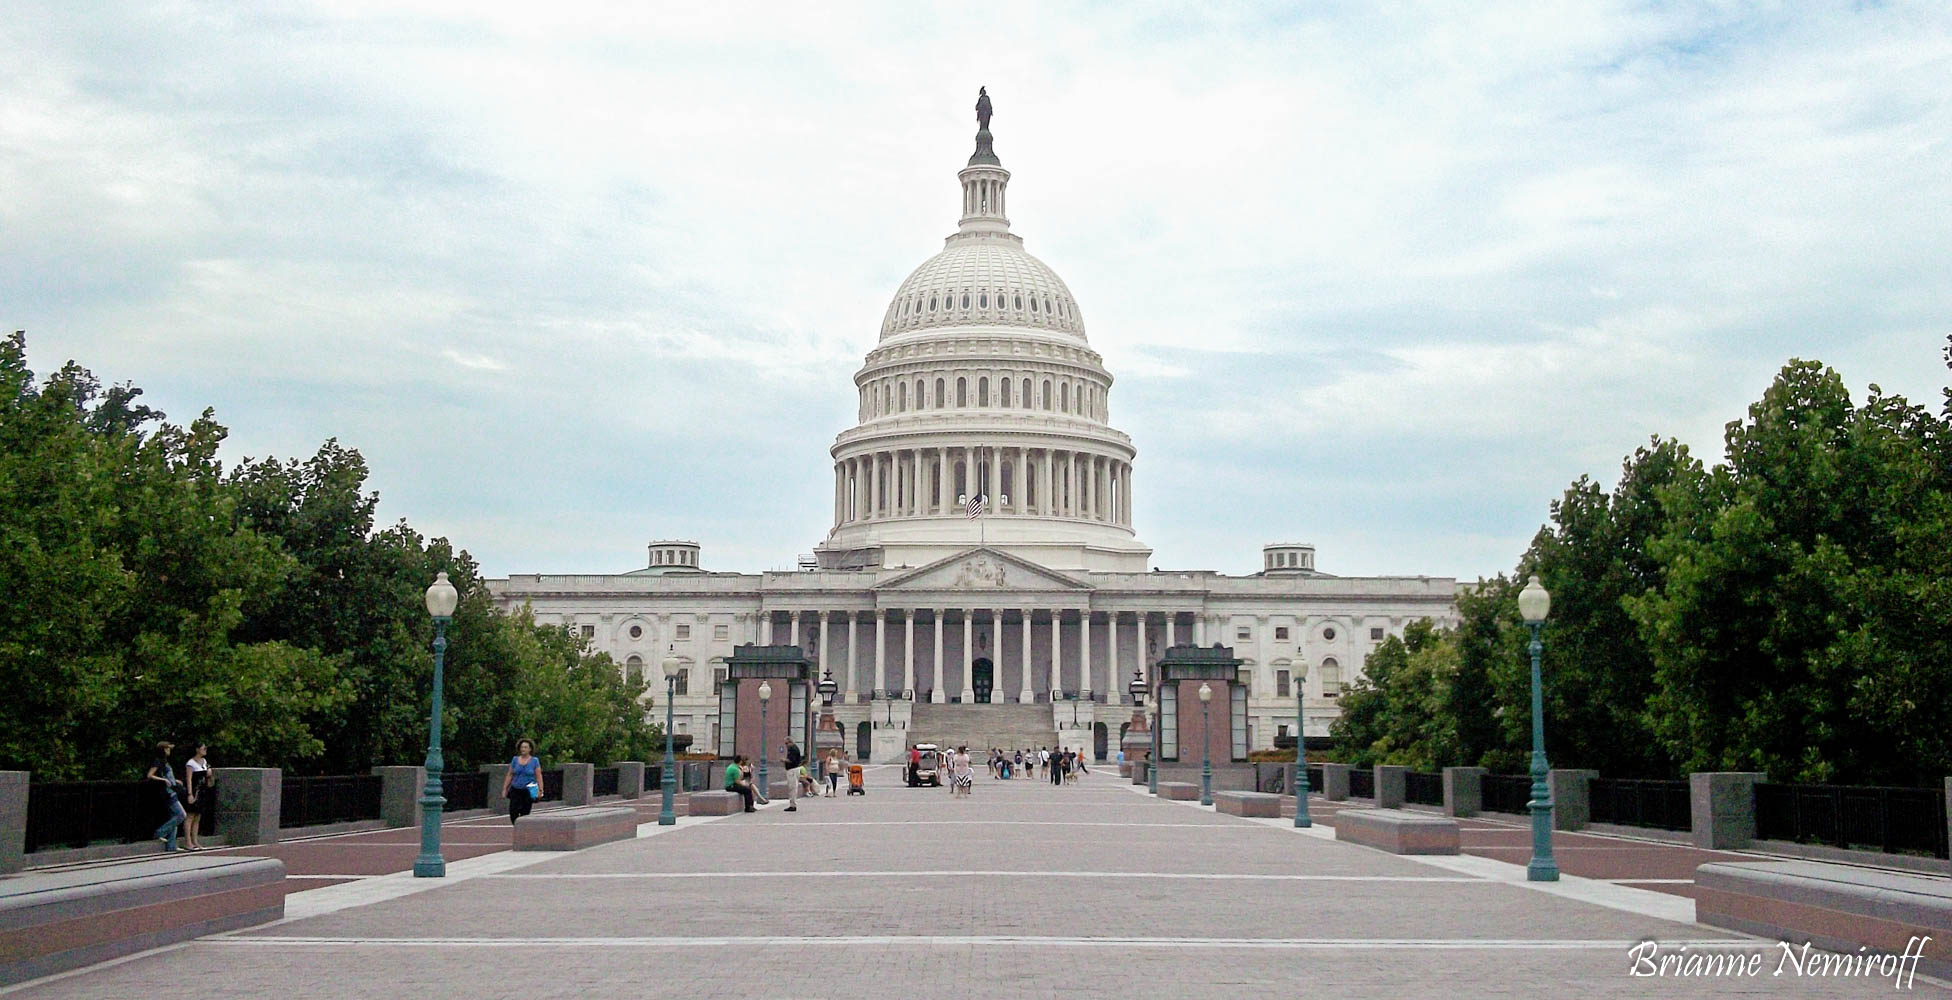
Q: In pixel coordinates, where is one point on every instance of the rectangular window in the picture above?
(721, 632)
(1169, 722)
(1282, 685)
(1375, 635)
(1280, 633)
(719, 674)
(1240, 723)
(728, 698)
(1243, 633)
(684, 631)
(684, 681)
(589, 631)
(797, 722)
(1331, 680)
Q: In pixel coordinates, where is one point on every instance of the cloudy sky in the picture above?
(575, 276)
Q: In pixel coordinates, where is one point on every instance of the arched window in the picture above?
(1033, 303)
(962, 392)
(931, 303)
(983, 300)
(983, 391)
(965, 300)
(634, 669)
(1003, 393)
(1064, 397)
(1019, 302)
(919, 387)
(903, 402)
(1046, 400)
(1331, 675)
(940, 395)
(1025, 394)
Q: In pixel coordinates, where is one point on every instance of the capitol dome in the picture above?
(982, 393)
(990, 282)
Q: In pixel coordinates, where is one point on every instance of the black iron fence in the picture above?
(605, 781)
(339, 798)
(1860, 817)
(79, 813)
(1362, 783)
(1506, 793)
(467, 790)
(1660, 805)
(552, 784)
(1314, 777)
(1424, 788)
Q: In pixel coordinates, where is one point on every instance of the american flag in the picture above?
(976, 505)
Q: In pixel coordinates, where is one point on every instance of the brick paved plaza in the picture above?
(1026, 890)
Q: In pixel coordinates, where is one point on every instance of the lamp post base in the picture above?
(429, 868)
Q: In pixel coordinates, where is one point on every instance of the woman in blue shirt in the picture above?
(523, 784)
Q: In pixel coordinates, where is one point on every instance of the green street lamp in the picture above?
(441, 599)
(668, 816)
(765, 695)
(1138, 691)
(1158, 740)
(1301, 755)
(1533, 605)
(1206, 744)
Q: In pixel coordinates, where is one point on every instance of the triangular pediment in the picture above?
(983, 569)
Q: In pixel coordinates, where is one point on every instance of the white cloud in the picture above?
(1409, 272)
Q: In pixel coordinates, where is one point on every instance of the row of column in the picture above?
(1111, 679)
(918, 482)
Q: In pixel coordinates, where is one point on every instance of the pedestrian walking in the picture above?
(832, 769)
(162, 785)
(522, 785)
(1057, 767)
(792, 758)
(962, 776)
(198, 795)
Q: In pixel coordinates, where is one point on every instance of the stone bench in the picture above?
(575, 828)
(1396, 831)
(1247, 803)
(714, 804)
(1124, 768)
(1834, 907)
(54, 921)
(1181, 791)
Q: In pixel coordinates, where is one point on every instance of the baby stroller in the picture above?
(856, 780)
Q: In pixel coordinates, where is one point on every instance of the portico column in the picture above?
(1028, 694)
(1057, 652)
(853, 643)
(942, 478)
(880, 647)
(937, 689)
(968, 656)
(825, 664)
(908, 656)
(765, 628)
(1049, 506)
(1199, 628)
(1090, 487)
(795, 627)
(996, 484)
(1023, 491)
(1172, 619)
(1114, 693)
(867, 502)
(1084, 652)
(969, 471)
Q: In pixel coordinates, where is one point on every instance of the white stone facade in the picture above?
(982, 384)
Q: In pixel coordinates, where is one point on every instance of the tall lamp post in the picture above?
(1301, 757)
(441, 599)
(1533, 605)
(1206, 744)
(765, 695)
(668, 815)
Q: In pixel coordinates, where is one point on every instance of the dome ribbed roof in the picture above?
(983, 282)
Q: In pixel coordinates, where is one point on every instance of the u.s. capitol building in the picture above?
(1021, 626)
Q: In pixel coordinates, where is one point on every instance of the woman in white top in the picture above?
(197, 785)
(961, 776)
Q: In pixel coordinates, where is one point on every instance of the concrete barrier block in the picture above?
(13, 821)
(1722, 804)
(1397, 831)
(248, 801)
(1572, 797)
(575, 828)
(1390, 782)
(713, 804)
(400, 791)
(579, 784)
(1181, 791)
(1335, 782)
(1464, 791)
(1264, 804)
(630, 778)
(497, 773)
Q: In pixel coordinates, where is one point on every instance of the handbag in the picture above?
(535, 791)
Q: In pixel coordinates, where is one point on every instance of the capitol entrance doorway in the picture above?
(984, 680)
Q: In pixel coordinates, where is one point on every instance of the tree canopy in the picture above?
(148, 593)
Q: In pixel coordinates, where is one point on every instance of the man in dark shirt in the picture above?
(792, 759)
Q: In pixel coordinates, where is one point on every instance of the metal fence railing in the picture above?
(1424, 788)
(604, 781)
(1860, 817)
(338, 798)
(552, 784)
(1314, 777)
(79, 813)
(1362, 783)
(1506, 793)
(1660, 805)
(467, 790)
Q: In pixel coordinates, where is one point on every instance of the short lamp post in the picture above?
(765, 695)
(668, 814)
(1533, 605)
(1206, 744)
(441, 599)
(1139, 690)
(1301, 757)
